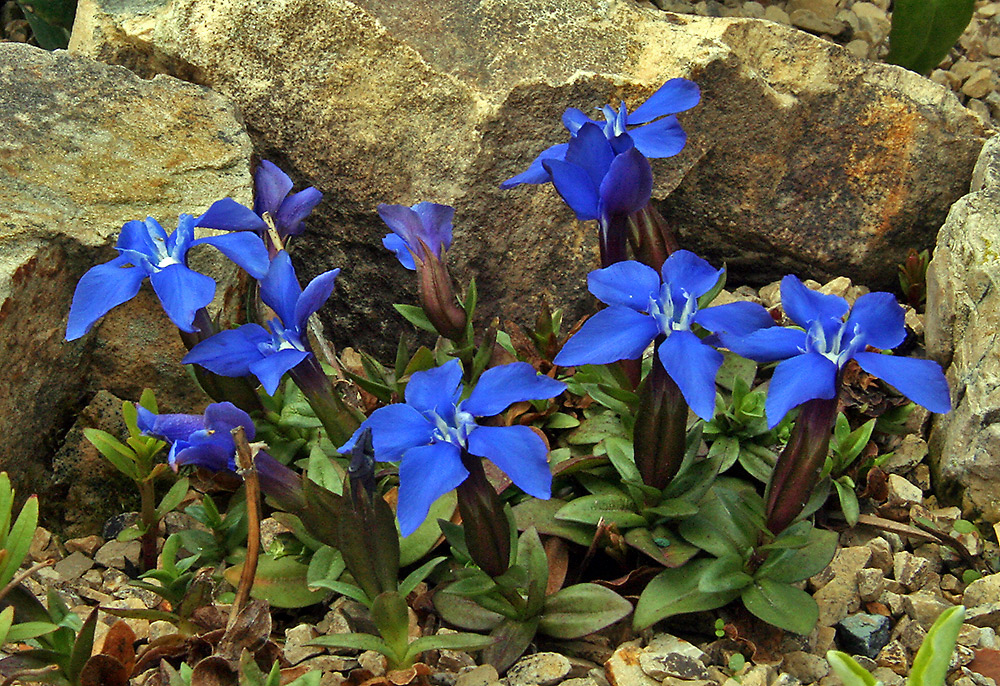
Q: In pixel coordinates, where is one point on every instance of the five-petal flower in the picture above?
(644, 306)
(145, 250)
(812, 359)
(430, 431)
(199, 440)
(252, 349)
(424, 226)
(652, 127)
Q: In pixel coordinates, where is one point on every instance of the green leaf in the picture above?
(281, 582)
(6, 507)
(391, 617)
(129, 534)
(416, 316)
(531, 556)
(459, 641)
(379, 390)
(323, 471)
(674, 592)
(848, 499)
(19, 539)
(427, 535)
(510, 639)
(117, 453)
(621, 453)
(82, 648)
(725, 450)
(541, 514)
(735, 368)
(662, 545)
(724, 574)
(782, 605)
(344, 589)
(923, 31)
(788, 566)
(464, 612)
(596, 428)
(48, 22)
(581, 609)
(131, 417)
(849, 671)
(930, 666)
(560, 420)
(26, 630)
(326, 565)
(352, 641)
(471, 298)
(173, 498)
(615, 508)
(422, 360)
(407, 585)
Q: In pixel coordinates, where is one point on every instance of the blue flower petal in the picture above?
(591, 151)
(229, 215)
(397, 245)
(403, 221)
(628, 184)
(271, 186)
(280, 289)
(182, 292)
(244, 248)
(805, 377)
(181, 240)
(270, 368)
(312, 298)
(295, 209)
(659, 139)
(224, 417)
(500, 387)
(693, 367)
(436, 225)
(436, 390)
(216, 455)
(688, 274)
(426, 474)
(573, 119)
(676, 95)
(519, 452)
(135, 238)
(615, 333)
(169, 427)
(767, 345)
(395, 429)
(230, 352)
(880, 318)
(629, 284)
(922, 381)
(576, 188)
(100, 290)
(804, 305)
(537, 173)
(735, 319)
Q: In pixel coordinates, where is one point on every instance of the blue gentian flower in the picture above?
(271, 196)
(426, 223)
(145, 250)
(268, 354)
(654, 137)
(199, 440)
(433, 427)
(644, 306)
(812, 359)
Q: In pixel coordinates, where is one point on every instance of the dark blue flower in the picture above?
(433, 427)
(145, 250)
(654, 137)
(644, 305)
(268, 354)
(199, 440)
(425, 224)
(271, 197)
(813, 358)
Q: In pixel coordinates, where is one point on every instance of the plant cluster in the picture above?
(663, 432)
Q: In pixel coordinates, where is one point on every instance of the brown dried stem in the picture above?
(245, 465)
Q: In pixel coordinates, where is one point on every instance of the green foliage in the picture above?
(51, 21)
(923, 31)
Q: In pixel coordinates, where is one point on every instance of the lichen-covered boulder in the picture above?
(85, 147)
(963, 318)
(801, 157)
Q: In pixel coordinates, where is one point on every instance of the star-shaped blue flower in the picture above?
(199, 440)
(271, 196)
(431, 429)
(652, 127)
(812, 359)
(145, 250)
(425, 224)
(252, 349)
(644, 305)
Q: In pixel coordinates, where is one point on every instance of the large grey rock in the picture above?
(963, 317)
(85, 147)
(801, 157)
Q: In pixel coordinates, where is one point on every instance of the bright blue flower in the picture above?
(812, 359)
(653, 137)
(199, 440)
(145, 250)
(268, 354)
(601, 178)
(644, 305)
(271, 196)
(425, 223)
(431, 429)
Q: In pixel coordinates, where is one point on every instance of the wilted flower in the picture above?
(432, 429)
(644, 305)
(145, 250)
(812, 359)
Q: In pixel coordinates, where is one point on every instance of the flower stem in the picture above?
(151, 524)
(800, 463)
(487, 531)
(245, 464)
(660, 433)
(330, 409)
